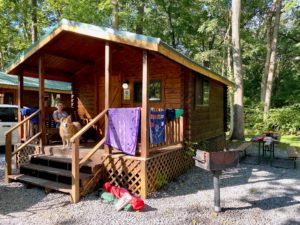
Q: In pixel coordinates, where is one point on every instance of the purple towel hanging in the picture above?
(123, 129)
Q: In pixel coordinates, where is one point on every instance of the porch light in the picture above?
(125, 84)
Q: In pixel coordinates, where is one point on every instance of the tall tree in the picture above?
(238, 124)
(196, 28)
(115, 13)
(140, 17)
(269, 34)
(34, 31)
(271, 71)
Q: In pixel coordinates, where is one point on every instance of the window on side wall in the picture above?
(202, 92)
(155, 91)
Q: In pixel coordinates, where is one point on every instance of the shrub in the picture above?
(283, 120)
(254, 118)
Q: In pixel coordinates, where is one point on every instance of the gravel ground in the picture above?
(250, 194)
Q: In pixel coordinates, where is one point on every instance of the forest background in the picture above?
(200, 29)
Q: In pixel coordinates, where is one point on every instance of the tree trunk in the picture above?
(270, 79)
(230, 90)
(238, 122)
(26, 30)
(169, 14)
(269, 34)
(1, 59)
(34, 21)
(115, 14)
(140, 18)
(226, 42)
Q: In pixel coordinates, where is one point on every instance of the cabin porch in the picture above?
(52, 169)
(97, 86)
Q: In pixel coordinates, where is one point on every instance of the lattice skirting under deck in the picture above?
(123, 171)
(143, 176)
(23, 155)
(162, 168)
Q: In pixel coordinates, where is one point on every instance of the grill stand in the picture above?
(216, 162)
(216, 178)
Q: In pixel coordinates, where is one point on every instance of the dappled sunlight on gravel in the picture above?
(250, 194)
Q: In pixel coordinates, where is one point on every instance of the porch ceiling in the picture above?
(64, 55)
(73, 46)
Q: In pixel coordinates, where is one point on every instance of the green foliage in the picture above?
(284, 120)
(190, 149)
(199, 29)
(161, 179)
(291, 140)
(192, 146)
(254, 118)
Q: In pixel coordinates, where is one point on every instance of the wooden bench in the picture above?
(293, 155)
(242, 148)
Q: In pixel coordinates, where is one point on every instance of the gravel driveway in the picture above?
(250, 194)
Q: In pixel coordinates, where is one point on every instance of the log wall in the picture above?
(204, 122)
(178, 90)
(127, 65)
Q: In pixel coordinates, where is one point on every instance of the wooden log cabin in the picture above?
(100, 63)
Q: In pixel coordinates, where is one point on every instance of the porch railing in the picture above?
(173, 134)
(26, 130)
(8, 142)
(76, 164)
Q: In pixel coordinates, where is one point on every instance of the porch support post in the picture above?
(107, 88)
(20, 103)
(145, 108)
(144, 182)
(75, 192)
(42, 125)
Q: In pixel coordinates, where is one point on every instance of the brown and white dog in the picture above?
(67, 129)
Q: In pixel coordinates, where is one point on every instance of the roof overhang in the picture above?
(32, 84)
(122, 37)
(12, 87)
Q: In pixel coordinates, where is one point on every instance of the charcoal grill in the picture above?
(215, 162)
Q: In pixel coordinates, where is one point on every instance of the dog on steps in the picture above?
(67, 129)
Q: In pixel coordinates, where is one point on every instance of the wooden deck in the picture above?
(52, 169)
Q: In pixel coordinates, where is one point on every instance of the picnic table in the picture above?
(267, 141)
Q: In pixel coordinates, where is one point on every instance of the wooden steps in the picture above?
(64, 163)
(42, 182)
(53, 172)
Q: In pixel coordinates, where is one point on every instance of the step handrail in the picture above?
(22, 122)
(75, 192)
(8, 144)
(91, 152)
(27, 143)
(88, 126)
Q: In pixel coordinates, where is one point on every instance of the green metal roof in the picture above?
(29, 82)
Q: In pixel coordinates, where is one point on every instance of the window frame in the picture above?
(139, 82)
(200, 87)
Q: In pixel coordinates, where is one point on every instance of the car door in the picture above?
(8, 119)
